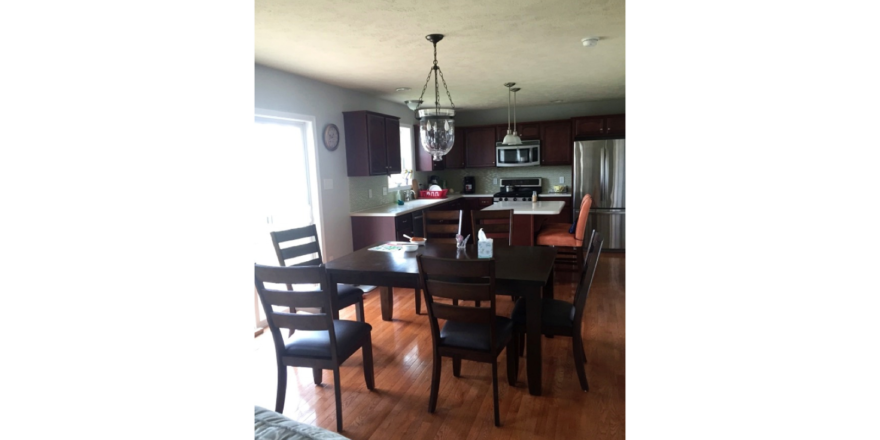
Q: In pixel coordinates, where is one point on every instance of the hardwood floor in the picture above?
(398, 407)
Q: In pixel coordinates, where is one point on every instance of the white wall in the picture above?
(286, 92)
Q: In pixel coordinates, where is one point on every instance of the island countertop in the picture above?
(394, 210)
(528, 208)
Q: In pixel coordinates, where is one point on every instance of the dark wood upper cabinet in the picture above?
(598, 126)
(454, 159)
(556, 143)
(372, 143)
(479, 146)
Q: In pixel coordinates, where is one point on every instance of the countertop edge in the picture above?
(368, 213)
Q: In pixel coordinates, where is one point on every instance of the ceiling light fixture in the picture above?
(402, 89)
(436, 125)
(511, 139)
(590, 41)
(413, 104)
(557, 101)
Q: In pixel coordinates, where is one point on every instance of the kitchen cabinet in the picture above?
(598, 126)
(366, 231)
(479, 146)
(527, 131)
(454, 159)
(556, 143)
(372, 143)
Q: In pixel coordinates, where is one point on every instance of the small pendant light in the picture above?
(511, 139)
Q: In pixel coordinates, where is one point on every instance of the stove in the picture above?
(522, 189)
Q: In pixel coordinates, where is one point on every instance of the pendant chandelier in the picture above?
(436, 125)
(511, 139)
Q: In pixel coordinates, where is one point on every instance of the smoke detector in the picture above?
(590, 41)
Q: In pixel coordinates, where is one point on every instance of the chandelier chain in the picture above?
(436, 68)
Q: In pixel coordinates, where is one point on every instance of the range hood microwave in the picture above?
(525, 155)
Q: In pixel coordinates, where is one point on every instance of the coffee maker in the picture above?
(469, 185)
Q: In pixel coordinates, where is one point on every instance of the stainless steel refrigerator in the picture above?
(600, 170)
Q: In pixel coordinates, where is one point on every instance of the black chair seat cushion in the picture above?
(349, 336)
(475, 336)
(555, 313)
(349, 294)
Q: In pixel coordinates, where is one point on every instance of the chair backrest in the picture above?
(498, 225)
(306, 248)
(581, 229)
(586, 278)
(468, 280)
(307, 275)
(441, 226)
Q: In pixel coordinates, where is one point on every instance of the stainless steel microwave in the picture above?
(527, 154)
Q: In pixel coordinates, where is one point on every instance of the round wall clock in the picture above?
(331, 137)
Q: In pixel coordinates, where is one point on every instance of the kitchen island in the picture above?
(527, 218)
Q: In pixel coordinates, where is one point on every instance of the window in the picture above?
(404, 179)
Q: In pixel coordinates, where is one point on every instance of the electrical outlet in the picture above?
(561, 179)
(384, 191)
(370, 192)
(494, 181)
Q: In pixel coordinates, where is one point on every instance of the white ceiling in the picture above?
(376, 46)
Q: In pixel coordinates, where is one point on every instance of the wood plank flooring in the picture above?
(398, 407)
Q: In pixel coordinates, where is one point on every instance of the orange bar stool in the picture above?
(570, 246)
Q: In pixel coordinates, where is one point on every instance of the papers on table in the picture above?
(394, 246)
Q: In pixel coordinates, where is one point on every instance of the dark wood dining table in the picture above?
(526, 271)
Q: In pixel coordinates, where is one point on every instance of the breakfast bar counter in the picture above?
(528, 218)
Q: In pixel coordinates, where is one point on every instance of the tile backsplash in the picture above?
(359, 187)
(483, 177)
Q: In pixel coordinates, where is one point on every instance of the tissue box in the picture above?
(484, 248)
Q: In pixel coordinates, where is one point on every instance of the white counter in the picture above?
(528, 208)
(478, 195)
(393, 210)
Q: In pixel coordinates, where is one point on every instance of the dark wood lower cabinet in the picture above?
(366, 231)
(565, 215)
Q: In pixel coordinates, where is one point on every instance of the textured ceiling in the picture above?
(376, 46)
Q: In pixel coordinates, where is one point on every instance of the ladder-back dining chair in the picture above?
(317, 341)
(562, 318)
(307, 252)
(497, 225)
(471, 333)
(441, 226)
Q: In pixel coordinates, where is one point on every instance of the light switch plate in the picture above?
(370, 192)
(561, 179)
(328, 183)
(494, 181)
(384, 191)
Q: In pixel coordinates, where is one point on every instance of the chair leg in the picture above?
(456, 367)
(512, 360)
(282, 388)
(495, 391)
(579, 359)
(435, 383)
(418, 301)
(476, 303)
(367, 351)
(338, 389)
(522, 343)
(359, 310)
(317, 374)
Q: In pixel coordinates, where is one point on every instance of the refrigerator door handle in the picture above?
(602, 175)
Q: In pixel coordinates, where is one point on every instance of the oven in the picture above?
(527, 154)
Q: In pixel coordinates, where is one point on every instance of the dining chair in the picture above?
(471, 333)
(497, 225)
(569, 247)
(441, 226)
(318, 341)
(307, 252)
(563, 318)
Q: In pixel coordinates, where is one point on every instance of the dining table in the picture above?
(524, 271)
